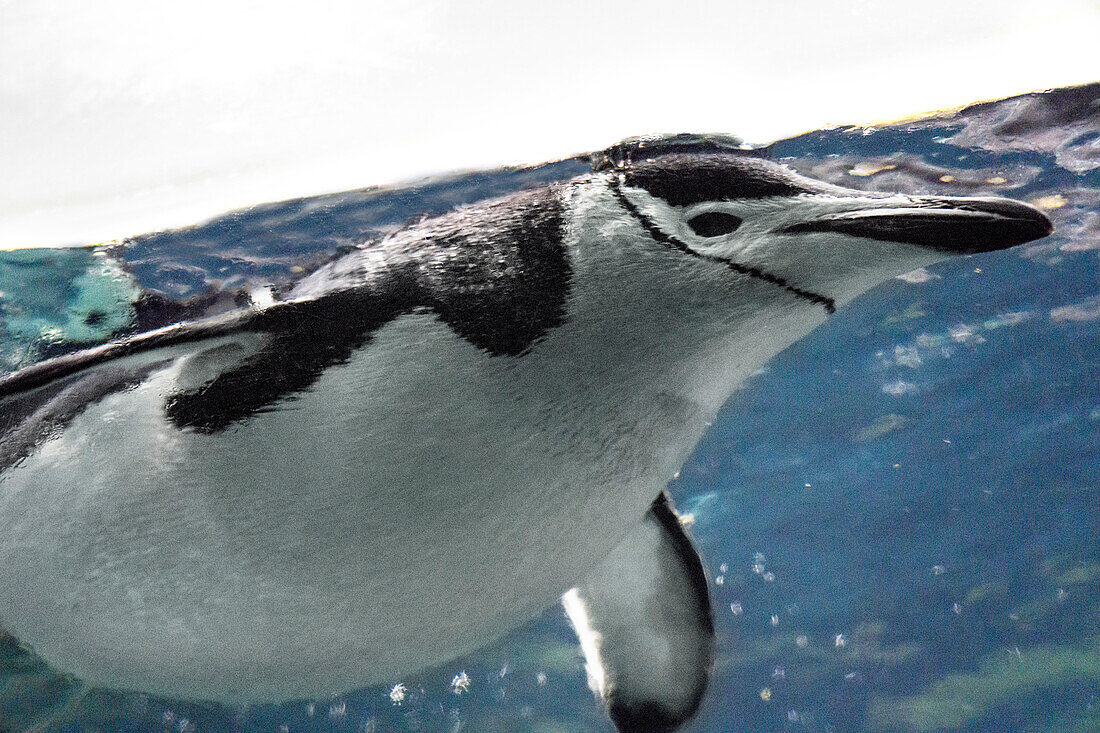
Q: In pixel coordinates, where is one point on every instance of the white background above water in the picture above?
(122, 116)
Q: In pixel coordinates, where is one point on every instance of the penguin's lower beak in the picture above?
(953, 225)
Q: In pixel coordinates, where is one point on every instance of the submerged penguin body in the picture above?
(430, 439)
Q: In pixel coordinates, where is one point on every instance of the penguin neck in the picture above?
(658, 323)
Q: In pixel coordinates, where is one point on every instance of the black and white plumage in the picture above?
(430, 439)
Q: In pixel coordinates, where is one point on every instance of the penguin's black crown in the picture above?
(688, 169)
(634, 150)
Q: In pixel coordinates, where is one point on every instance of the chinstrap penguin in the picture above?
(430, 439)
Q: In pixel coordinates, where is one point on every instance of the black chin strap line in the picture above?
(825, 302)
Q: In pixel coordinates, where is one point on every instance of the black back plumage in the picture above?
(498, 276)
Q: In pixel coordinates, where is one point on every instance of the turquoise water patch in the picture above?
(53, 299)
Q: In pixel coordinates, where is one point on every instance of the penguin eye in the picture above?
(714, 224)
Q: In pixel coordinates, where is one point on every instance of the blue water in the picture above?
(900, 514)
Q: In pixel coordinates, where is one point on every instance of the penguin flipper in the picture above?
(644, 621)
(298, 340)
(303, 339)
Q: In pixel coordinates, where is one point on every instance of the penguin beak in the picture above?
(954, 225)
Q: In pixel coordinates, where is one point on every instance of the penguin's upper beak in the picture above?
(955, 225)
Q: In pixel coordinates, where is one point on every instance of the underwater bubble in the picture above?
(461, 683)
(397, 694)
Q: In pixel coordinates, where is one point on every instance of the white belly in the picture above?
(411, 506)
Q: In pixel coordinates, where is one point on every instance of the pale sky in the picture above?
(125, 116)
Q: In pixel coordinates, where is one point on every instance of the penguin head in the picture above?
(824, 243)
